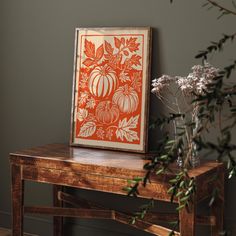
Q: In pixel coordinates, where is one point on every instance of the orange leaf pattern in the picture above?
(99, 53)
(109, 88)
(89, 49)
(117, 42)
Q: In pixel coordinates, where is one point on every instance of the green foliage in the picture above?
(222, 10)
(183, 187)
(215, 46)
(219, 96)
(142, 211)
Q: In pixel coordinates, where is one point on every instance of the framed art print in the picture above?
(111, 88)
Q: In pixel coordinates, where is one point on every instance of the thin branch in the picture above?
(234, 4)
(221, 8)
(215, 46)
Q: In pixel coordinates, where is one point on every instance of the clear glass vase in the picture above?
(195, 158)
(195, 161)
(180, 161)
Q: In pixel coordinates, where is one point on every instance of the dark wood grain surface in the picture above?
(103, 161)
(107, 171)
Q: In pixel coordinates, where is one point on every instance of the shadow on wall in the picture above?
(156, 107)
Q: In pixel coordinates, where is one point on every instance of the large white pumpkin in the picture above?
(126, 98)
(102, 81)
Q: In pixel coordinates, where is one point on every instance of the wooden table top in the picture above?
(90, 159)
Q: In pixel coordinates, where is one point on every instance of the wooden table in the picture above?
(106, 171)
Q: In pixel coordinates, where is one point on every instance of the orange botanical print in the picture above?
(109, 88)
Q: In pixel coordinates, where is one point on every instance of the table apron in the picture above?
(157, 191)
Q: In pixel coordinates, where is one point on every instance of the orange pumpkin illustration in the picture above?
(102, 81)
(126, 98)
(106, 112)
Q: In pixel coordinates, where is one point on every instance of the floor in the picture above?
(7, 232)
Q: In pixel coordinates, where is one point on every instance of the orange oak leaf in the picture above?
(117, 42)
(88, 62)
(108, 48)
(99, 53)
(132, 45)
(89, 49)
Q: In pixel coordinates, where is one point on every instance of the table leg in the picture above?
(217, 208)
(17, 200)
(187, 220)
(57, 220)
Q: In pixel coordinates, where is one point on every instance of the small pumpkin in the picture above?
(126, 98)
(102, 81)
(106, 112)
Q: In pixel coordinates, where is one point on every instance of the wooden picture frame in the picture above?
(111, 88)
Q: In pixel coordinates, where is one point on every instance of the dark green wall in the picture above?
(36, 63)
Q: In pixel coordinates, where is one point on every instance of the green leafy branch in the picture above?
(143, 210)
(161, 121)
(157, 165)
(183, 187)
(215, 46)
(211, 105)
(223, 10)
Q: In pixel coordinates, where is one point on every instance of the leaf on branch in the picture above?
(201, 54)
(222, 9)
(234, 4)
(215, 46)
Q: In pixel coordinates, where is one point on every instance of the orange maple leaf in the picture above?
(135, 60)
(132, 45)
